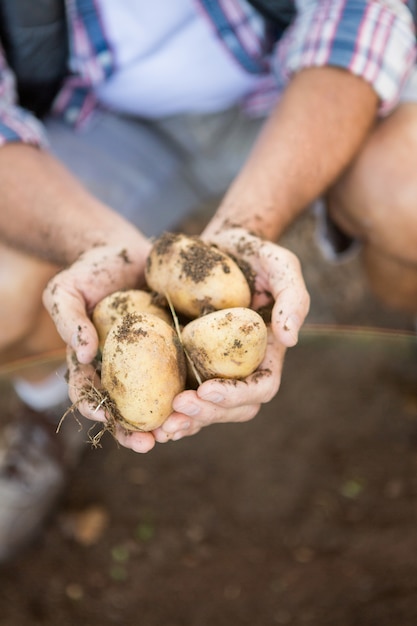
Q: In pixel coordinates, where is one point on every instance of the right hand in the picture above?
(72, 294)
(70, 298)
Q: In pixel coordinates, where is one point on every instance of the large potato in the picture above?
(196, 277)
(226, 344)
(117, 304)
(143, 368)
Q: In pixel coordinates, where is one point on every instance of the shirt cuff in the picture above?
(19, 125)
(374, 40)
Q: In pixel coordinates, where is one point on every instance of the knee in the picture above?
(392, 281)
(22, 280)
(376, 198)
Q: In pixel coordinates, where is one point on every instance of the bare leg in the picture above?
(25, 327)
(376, 201)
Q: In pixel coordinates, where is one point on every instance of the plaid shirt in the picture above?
(372, 39)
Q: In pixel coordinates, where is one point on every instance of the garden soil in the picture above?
(307, 515)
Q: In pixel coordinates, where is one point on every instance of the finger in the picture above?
(137, 441)
(179, 425)
(286, 283)
(193, 413)
(84, 388)
(175, 427)
(67, 309)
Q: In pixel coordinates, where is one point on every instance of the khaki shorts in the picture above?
(155, 173)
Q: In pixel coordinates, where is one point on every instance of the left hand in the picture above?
(278, 281)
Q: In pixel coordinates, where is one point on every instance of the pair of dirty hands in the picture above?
(72, 294)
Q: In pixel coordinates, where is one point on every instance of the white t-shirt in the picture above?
(168, 60)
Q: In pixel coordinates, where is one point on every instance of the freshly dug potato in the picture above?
(226, 344)
(117, 304)
(196, 277)
(143, 368)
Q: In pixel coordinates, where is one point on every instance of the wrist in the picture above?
(230, 236)
(253, 207)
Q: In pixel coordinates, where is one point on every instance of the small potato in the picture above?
(117, 304)
(226, 344)
(143, 368)
(195, 276)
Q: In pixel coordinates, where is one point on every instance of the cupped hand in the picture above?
(70, 297)
(279, 284)
(278, 280)
(72, 294)
(221, 400)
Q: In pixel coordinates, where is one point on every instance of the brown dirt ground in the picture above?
(305, 516)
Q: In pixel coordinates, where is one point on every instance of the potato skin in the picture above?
(117, 304)
(143, 369)
(196, 276)
(226, 344)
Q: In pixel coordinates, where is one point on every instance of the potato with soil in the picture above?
(230, 343)
(114, 306)
(196, 277)
(143, 369)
